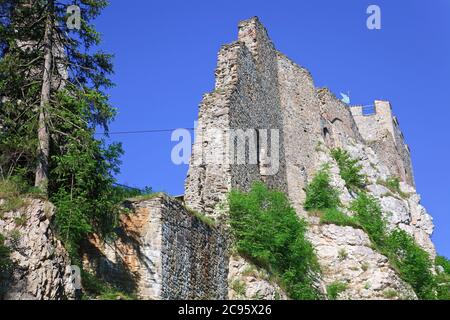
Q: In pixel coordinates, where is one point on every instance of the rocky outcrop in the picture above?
(248, 282)
(41, 267)
(346, 254)
(259, 88)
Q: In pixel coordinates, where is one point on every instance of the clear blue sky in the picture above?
(165, 56)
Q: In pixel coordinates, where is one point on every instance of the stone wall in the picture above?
(382, 131)
(245, 107)
(258, 87)
(303, 126)
(162, 251)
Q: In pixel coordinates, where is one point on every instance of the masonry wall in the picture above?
(382, 132)
(302, 126)
(245, 102)
(339, 119)
(194, 256)
(162, 251)
(260, 88)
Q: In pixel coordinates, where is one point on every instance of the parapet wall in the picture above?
(162, 251)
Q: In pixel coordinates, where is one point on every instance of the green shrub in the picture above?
(267, 231)
(334, 216)
(390, 293)
(412, 262)
(239, 287)
(98, 289)
(369, 216)
(443, 279)
(342, 254)
(320, 194)
(5, 261)
(393, 184)
(334, 289)
(349, 170)
(203, 218)
(444, 263)
(10, 192)
(20, 221)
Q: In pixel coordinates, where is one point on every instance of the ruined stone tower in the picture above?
(259, 90)
(257, 87)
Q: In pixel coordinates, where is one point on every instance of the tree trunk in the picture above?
(43, 155)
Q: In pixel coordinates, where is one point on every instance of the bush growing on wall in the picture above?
(411, 261)
(267, 230)
(443, 278)
(320, 194)
(368, 213)
(349, 170)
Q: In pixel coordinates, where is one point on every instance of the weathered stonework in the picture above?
(245, 97)
(41, 265)
(258, 87)
(381, 131)
(162, 251)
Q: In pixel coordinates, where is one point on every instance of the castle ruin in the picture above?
(258, 87)
(261, 95)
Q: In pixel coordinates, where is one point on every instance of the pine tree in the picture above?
(52, 93)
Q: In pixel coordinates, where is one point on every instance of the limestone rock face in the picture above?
(346, 254)
(41, 265)
(346, 257)
(248, 282)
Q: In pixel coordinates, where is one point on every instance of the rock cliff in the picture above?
(41, 268)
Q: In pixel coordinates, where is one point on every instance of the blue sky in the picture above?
(165, 56)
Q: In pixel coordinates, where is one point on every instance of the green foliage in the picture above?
(81, 167)
(204, 218)
(334, 216)
(349, 169)
(443, 279)
(5, 262)
(342, 255)
(444, 263)
(20, 221)
(390, 293)
(320, 194)
(334, 289)
(95, 288)
(239, 287)
(124, 192)
(268, 232)
(365, 266)
(369, 216)
(10, 193)
(393, 184)
(412, 262)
